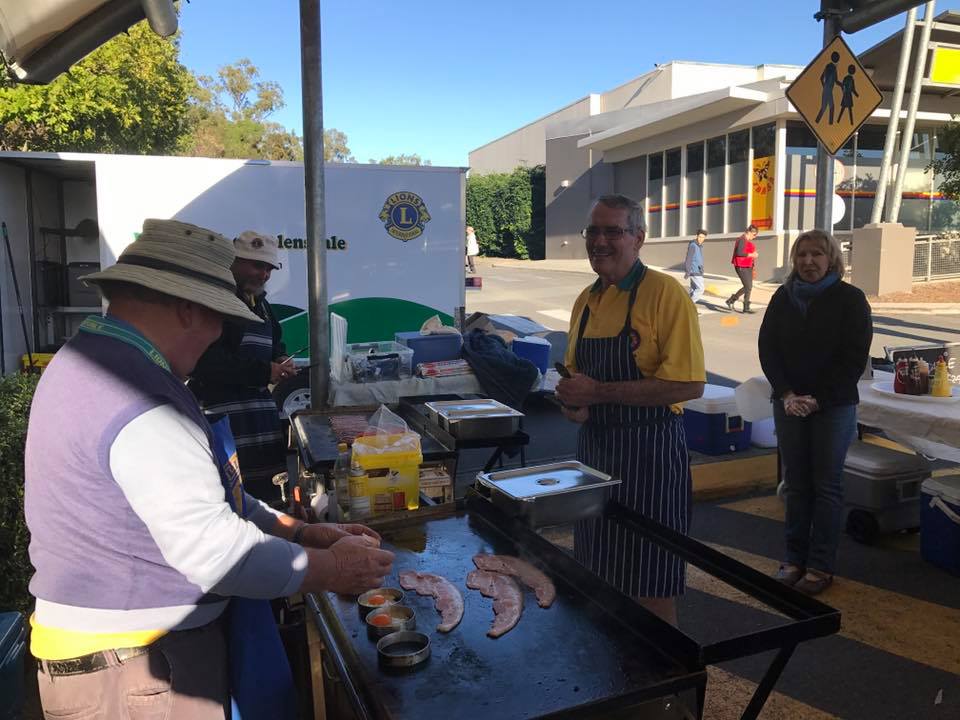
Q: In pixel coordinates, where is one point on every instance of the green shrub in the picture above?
(16, 392)
(507, 212)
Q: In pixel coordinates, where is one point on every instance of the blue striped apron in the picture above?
(646, 448)
(254, 418)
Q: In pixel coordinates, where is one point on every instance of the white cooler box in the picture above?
(881, 490)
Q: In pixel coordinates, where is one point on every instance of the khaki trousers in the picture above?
(182, 677)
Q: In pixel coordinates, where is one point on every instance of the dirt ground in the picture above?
(940, 291)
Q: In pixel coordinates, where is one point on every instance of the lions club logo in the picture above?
(404, 214)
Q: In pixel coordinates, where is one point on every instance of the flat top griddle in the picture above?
(593, 652)
(579, 652)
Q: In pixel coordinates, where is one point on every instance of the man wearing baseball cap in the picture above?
(151, 561)
(232, 376)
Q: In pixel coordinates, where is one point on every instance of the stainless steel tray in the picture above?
(474, 419)
(553, 494)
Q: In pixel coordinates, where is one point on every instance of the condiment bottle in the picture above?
(941, 379)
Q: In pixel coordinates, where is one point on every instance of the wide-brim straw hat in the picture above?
(181, 260)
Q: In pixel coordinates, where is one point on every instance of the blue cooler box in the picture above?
(940, 523)
(13, 648)
(713, 423)
(430, 348)
(535, 349)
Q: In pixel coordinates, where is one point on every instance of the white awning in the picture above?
(656, 118)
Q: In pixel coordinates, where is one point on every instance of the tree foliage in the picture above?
(506, 211)
(401, 160)
(128, 96)
(335, 147)
(947, 167)
(16, 393)
(229, 117)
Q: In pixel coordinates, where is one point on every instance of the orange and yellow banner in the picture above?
(761, 199)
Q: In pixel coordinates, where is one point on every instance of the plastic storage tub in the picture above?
(376, 361)
(430, 348)
(13, 648)
(940, 523)
(535, 349)
(881, 490)
(713, 423)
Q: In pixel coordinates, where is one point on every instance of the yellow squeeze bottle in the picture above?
(941, 380)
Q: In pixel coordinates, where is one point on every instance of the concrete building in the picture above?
(718, 147)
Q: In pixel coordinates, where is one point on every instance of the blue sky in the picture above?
(441, 77)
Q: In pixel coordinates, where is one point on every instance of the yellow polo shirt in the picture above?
(670, 347)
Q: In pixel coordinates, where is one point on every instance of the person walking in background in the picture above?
(744, 256)
(693, 265)
(473, 249)
(814, 343)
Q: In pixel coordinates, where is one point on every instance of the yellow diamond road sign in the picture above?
(834, 95)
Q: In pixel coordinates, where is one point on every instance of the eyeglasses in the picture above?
(592, 232)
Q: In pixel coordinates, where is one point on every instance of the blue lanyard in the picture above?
(118, 330)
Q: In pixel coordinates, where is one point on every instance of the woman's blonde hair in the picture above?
(828, 243)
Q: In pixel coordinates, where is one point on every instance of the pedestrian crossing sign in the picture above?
(834, 95)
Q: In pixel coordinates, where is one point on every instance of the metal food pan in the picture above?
(553, 494)
(474, 419)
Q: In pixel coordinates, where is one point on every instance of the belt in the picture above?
(93, 662)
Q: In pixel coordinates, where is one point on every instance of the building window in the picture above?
(671, 199)
(694, 181)
(655, 196)
(800, 177)
(738, 179)
(764, 138)
(715, 189)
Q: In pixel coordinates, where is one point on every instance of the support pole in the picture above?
(823, 209)
(916, 85)
(896, 104)
(319, 321)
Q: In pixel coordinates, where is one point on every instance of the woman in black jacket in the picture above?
(814, 344)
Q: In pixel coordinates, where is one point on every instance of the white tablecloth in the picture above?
(931, 428)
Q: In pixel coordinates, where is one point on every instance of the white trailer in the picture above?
(395, 235)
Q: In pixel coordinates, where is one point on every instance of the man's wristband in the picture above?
(298, 533)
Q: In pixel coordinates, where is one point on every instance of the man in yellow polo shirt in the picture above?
(635, 355)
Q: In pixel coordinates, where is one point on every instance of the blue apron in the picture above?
(261, 683)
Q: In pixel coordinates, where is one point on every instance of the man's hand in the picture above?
(580, 415)
(578, 391)
(358, 565)
(281, 371)
(323, 535)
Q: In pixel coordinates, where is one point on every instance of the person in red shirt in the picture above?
(744, 256)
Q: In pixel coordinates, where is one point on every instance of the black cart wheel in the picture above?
(862, 527)
(292, 394)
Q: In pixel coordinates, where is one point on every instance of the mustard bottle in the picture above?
(941, 380)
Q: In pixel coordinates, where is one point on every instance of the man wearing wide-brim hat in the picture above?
(232, 376)
(141, 534)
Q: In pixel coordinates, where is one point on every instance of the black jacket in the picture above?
(822, 354)
(222, 368)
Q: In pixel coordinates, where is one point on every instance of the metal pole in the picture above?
(319, 320)
(823, 209)
(919, 65)
(895, 106)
